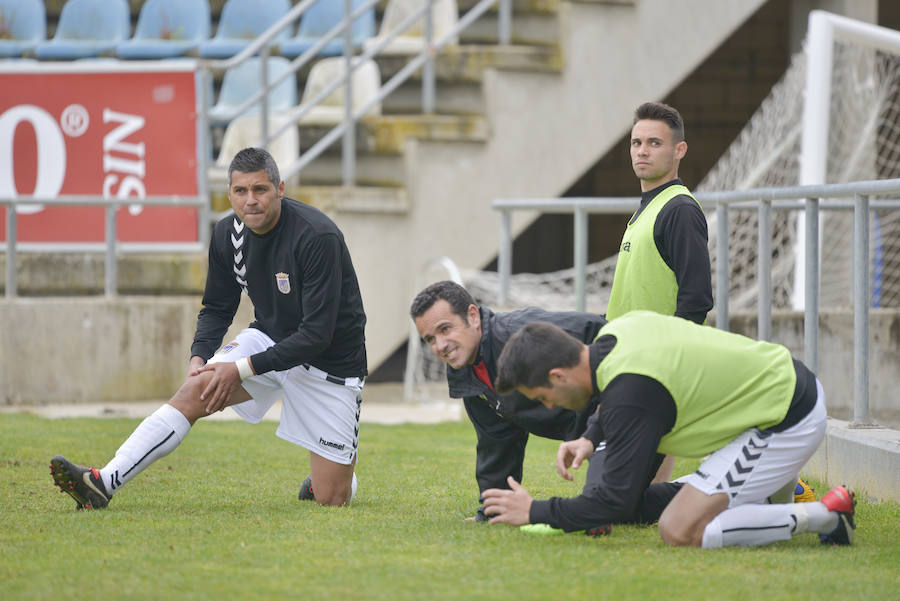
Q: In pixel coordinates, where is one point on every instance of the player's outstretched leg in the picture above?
(81, 483)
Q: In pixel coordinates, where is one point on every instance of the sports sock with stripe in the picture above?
(155, 437)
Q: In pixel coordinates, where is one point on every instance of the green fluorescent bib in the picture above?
(642, 279)
(722, 383)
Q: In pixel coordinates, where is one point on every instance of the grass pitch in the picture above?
(219, 519)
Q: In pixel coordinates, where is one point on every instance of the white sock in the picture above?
(155, 437)
(750, 526)
(354, 484)
(820, 519)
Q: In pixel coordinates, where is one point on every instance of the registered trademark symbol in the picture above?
(74, 120)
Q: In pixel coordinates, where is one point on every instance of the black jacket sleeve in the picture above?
(636, 412)
(221, 298)
(682, 238)
(501, 445)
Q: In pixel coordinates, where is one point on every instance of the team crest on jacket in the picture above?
(284, 283)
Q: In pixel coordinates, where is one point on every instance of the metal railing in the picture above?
(811, 199)
(424, 60)
(110, 245)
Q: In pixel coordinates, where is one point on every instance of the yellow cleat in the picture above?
(804, 493)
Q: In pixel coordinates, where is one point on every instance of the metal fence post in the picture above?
(348, 152)
(722, 266)
(504, 255)
(861, 313)
(11, 250)
(811, 310)
(581, 240)
(504, 18)
(764, 270)
(111, 271)
(428, 68)
(203, 152)
(264, 102)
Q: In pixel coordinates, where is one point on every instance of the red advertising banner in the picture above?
(117, 130)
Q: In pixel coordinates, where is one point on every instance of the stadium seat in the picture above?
(241, 22)
(365, 84)
(242, 81)
(168, 28)
(87, 28)
(412, 41)
(23, 25)
(321, 18)
(244, 132)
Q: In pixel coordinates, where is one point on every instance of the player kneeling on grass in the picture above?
(307, 345)
(666, 385)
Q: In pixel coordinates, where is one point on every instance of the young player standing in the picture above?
(307, 345)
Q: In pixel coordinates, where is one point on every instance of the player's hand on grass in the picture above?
(511, 506)
(225, 381)
(571, 454)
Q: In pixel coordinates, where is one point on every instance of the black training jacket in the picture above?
(503, 423)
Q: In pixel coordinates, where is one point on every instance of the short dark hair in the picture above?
(249, 160)
(657, 111)
(531, 353)
(458, 297)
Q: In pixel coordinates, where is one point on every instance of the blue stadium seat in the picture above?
(87, 28)
(319, 19)
(241, 22)
(242, 82)
(168, 28)
(23, 25)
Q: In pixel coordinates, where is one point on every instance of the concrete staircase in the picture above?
(511, 121)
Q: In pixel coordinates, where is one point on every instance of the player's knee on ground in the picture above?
(678, 535)
(332, 495)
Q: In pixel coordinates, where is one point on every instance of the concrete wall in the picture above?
(866, 459)
(94, 349)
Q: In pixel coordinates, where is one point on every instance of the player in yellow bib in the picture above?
(663, 262)
(664, 385)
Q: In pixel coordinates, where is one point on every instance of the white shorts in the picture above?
(758, 463)
(316, 413)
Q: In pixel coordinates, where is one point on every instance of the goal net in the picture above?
(863, 144)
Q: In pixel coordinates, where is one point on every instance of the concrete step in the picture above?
(380, 143)
(353, 199)
(467, 63)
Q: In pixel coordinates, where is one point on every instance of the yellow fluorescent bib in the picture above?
(642, 279)
(722, 383)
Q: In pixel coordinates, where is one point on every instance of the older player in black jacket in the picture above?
(305, 347)
(469, 340)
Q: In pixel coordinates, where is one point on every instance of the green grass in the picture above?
(219, 519)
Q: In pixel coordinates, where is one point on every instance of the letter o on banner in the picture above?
(51, 153)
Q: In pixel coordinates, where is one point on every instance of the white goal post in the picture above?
(823, 30)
